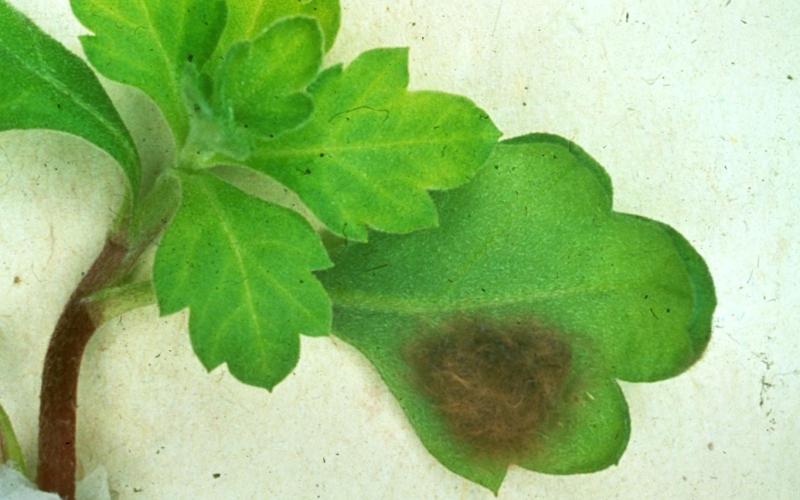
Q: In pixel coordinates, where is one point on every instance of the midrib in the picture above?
(428, 305)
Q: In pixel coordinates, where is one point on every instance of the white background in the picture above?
(692, 106)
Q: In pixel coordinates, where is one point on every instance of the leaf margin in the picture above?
(128, 156)
(170, 303)
(698, 329)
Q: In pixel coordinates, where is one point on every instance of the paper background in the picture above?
(692, 106)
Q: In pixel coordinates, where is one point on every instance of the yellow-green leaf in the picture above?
(247, 19)
(146, 43)
(263, 82)
(243, 268)
(372, 149)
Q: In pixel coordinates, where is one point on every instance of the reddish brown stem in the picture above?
(57, 413)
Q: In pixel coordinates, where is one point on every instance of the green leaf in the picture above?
(243, 267)
(248, 18)
(372, 149)
(146, 43)
(263, 82)
(10, 450)
(46, 86)
(502, 332)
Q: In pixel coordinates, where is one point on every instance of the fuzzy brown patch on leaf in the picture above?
(496, 386)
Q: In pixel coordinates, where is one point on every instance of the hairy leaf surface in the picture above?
(146, 43)
(530, 268)
(243, 268)
(45, 86)
(372, 149)
(248, 18)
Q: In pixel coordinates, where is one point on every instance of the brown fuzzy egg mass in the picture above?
(495, 386)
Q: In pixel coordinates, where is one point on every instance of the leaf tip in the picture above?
(390, 56)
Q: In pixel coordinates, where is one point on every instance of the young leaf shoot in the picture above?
(500, 297)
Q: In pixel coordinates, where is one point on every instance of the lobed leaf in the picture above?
(263, 82)
(247, 19)
(372, 149)
(44, 86)
(243, 268)
(502, 332)
(147, 43)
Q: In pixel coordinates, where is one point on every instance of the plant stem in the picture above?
(101, 295)
(58, 407)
